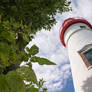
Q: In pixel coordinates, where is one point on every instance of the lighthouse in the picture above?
(76, 36)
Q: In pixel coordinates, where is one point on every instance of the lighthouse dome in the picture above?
(68, 22)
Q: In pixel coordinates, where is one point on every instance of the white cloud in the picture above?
(81, 8)
(51, 48)
(65, 67)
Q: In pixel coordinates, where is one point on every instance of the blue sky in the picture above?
(58, 78)
(69, 86)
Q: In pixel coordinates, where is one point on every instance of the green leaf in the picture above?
(6, 24)
(25, 37)
(3, 84)
(40, 83)
(33, 50)
(27, 74)
(16, 25)
(4, 61)
(32, 89)
(44, 89)
(24, 56)
(15, 82)
(42, 61)
(9, 36)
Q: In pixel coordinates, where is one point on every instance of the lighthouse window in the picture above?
(82, 26)
(86, 54)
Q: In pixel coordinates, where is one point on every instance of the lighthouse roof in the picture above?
(68, 22)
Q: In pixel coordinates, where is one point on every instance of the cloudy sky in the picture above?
(58, 78)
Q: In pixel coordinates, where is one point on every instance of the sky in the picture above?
(58, 77)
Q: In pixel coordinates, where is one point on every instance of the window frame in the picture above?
(85, 60)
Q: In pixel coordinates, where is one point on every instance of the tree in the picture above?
(35, 13)
(19, 19)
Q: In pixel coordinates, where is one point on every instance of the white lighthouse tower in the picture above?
(76, 36)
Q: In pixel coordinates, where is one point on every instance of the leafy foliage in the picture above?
(15, 82)
(27, 74)
(35, 13)
(19, 19)
(3, 84)
(32, 89)
(12, 82)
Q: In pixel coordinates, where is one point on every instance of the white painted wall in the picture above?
(81, 75)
